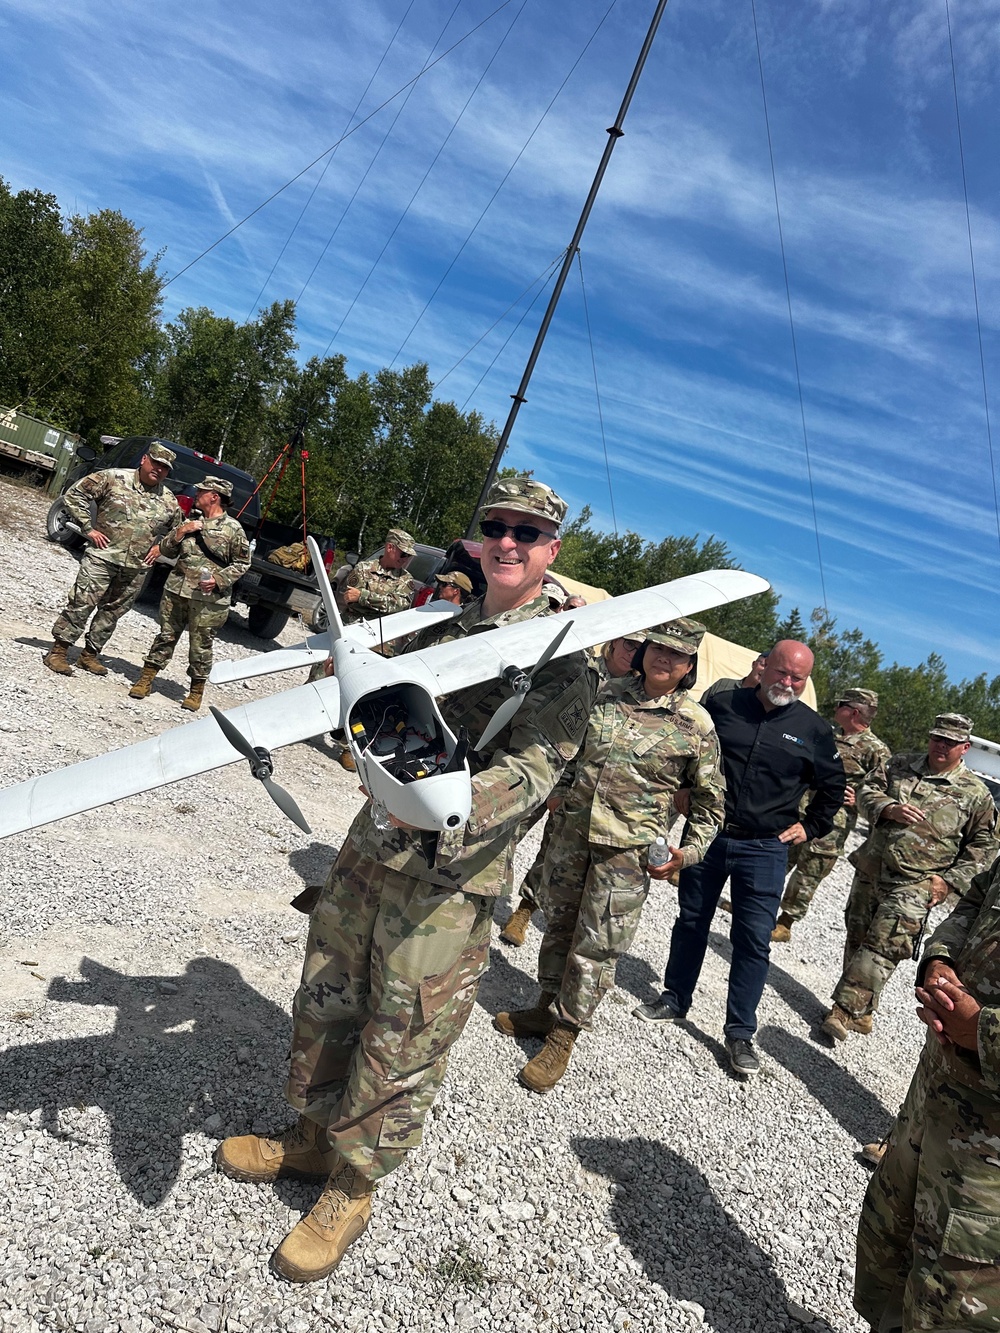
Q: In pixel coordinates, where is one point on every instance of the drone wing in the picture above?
(182, 752)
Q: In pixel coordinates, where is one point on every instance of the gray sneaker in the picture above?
(742, 1056)
(662, 1010)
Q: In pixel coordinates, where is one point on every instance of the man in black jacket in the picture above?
(774, 748)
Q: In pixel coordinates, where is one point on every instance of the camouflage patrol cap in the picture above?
(401, 539)
(217, 484)
(682, 635)
(159, 453)
(457, 578)
(952, 726)
(858, 698)
(526, 496)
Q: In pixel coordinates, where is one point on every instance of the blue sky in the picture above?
(187, 116)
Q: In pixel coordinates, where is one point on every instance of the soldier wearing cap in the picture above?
(861, 752)
(611, 660)
(134, 510)
(212, 554)
(401, 933)
(381, 585)
(932, 827)
(646, 737)
(454, 587)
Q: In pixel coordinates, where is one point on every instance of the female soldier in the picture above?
(645, 739)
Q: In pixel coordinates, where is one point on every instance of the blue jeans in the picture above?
(756, 867)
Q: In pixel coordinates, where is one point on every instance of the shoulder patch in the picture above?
(574, 717)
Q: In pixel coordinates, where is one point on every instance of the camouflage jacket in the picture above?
(636, 754)
(383, 591)
(957, 838)
(131, 517)
(861, 754)
(513, 779)
(229, 560)
(969, 940)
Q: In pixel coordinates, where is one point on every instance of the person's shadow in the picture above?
(799, 998)
(312, 864)
(504, 986)
(187, 1052)
(858, 1111)
(665, 1212)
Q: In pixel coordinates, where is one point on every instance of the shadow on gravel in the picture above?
(505, 986)
(119, 665)
(665, 1212)
(799, 998)
(312, 864)
(637, 977)
(858, 1111)
(201, 1050)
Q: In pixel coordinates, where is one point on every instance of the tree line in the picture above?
(83, 344)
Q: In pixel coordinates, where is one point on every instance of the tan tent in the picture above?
(574, 588)
(718, 658)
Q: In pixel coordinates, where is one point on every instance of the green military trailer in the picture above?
(36, 449)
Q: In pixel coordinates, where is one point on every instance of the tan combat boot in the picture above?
(872, 1153)
(144, 684)
(315, 1247)
(543, 1072)
(535, 1022)
(782, 932)
(516, 929)
(89, 661)
(55, 659)
(347, 760)
(838, 1023)
(302, 1151)
(194, 696)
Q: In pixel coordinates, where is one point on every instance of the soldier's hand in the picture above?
(938, 968)
(670, 867)
(903, 813)
(351, 594)
(682, 801)
(849, 798)
(152, 555)
(189, 528)
(793, 835)
(98, 538)
(939, 889)
(954, 1012)
(553, 804)
(933, 1001)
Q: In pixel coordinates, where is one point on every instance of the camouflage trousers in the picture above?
(529, 886)
(200, 619)
(390, 977)
(929, 1233)
(884, 927)
(811, 862)
(112, 589)
(592, 898)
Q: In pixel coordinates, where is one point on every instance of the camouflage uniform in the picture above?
(184, 606)
(593, 886)
(811, 862)
(383, 591)
(929, 1233)
(110, 578)
(891, 898)
(396, 949)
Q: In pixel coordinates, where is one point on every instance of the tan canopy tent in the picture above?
(574, 588)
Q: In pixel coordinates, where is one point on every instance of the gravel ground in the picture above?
(149, 959)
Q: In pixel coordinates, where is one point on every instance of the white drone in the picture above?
(411, 763)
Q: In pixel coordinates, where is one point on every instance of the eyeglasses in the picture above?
(525, 533)
(633, 645)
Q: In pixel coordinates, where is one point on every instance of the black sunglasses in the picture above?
(525, 533)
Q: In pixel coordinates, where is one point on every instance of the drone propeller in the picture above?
(261, 766)
(520, 681)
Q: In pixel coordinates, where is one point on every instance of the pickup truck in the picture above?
(270, 593)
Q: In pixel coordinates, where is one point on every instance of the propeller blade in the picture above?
(510, 706)
(550, 650)
(285, 803)
(501, 717)
(333, 624)
(235, 737)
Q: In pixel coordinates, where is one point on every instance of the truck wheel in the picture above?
(264, 622)
(57, 526)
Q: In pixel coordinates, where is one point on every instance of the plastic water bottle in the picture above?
(205, 580)
(659, 853)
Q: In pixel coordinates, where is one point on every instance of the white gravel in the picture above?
(148, 961)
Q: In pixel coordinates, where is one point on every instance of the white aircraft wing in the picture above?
(182, 752)
(479, 657)
(316, 648)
